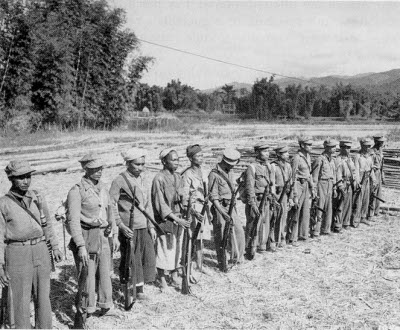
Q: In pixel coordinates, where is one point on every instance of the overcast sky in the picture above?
(306, 39)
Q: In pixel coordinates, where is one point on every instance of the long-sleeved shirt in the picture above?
(121, 199)
(166, 192)
(90, 204)
(258, 176)
(377, 157)
(283, 174)
(17, 225)
(324, 168)
(345, 171)
(193, 179)
(301, 167)
(220, 190)
(364, 163)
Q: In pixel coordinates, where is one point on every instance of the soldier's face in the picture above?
(345, 150)
(94, 173)
(197, 159)
(263, 154)
(307, 147)
(136, 166)
(172, 161)
(285, 156)
(21, 182)
(330, 150)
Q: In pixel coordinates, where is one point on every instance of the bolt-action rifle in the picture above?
(186, 259)
(82, 298)
(3, 308)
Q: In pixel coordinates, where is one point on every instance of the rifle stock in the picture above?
(186, 254)
(82, 299)
(4, 308)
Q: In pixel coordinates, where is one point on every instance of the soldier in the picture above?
(25, 259)
(302, 189)
(195, 186)
(221, 197)
(166, 198)
(377, 156)
(364, 170)
(347, 181)
(127, 185)
(283, 186)
(259, 181)
(90, 220)
(323, 174)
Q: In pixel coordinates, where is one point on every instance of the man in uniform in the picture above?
(283, 186)
(377, 156)
(302, 189)
(90, 220)
(166, 198)
(347, 181)
(195, 186)
(364, 170)
(323, 174)
(259, 178)
(221, 196)
(25, 259)
(141, 232)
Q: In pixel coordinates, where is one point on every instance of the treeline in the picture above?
(67, 62)
(267, 100)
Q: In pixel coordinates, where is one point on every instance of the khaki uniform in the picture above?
(377, 156)
(222, 192)
(301, 171)
(89, 213)
(363, 167)
(259, 175)
(345, 171)
(323, 177)
(283, 174)
(25, 254)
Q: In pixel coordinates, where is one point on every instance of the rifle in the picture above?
(227, 231)
(277, 216)
(186, 259)
(157, 227)
(3, 308)
(128, 277)
(358, 190)
(82, 299)
(313, 211)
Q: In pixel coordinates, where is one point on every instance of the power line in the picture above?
(226, 62)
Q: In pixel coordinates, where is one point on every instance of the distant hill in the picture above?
(388, 81)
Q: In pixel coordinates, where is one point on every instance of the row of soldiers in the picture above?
(159, 226)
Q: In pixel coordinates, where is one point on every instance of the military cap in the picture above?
(345, 143)
(133, 153)
(305, 140)
(379, 138)
(18, 167)
(281, 149)
(231, 156)
(261, 146)
(366, 142)
(330, 143)
(192, 150)
(91, 160)
(164, 153)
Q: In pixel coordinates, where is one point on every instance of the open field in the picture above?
(347, 281)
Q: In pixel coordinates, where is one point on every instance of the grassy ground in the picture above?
(346, 281)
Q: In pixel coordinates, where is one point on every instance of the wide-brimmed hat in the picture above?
(231, 156)
(18, 167)
(91, 160)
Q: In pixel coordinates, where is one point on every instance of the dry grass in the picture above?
(347, 281)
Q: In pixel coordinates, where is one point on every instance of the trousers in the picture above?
(301, 223)
(324, 221)
(29, 268)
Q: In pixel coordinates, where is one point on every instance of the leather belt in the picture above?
(32, 241)
(326, 179)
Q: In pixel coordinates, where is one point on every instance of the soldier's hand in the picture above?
(83, 256)
(335, 194)
(313, 193)
(296, 202)
(57, 255)
(153, 234)
(199, 216)
(183, 222)
(226, 216)
(125, 230)
(4, 278)
(115, 243)
(291, 202)
(255, 210)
